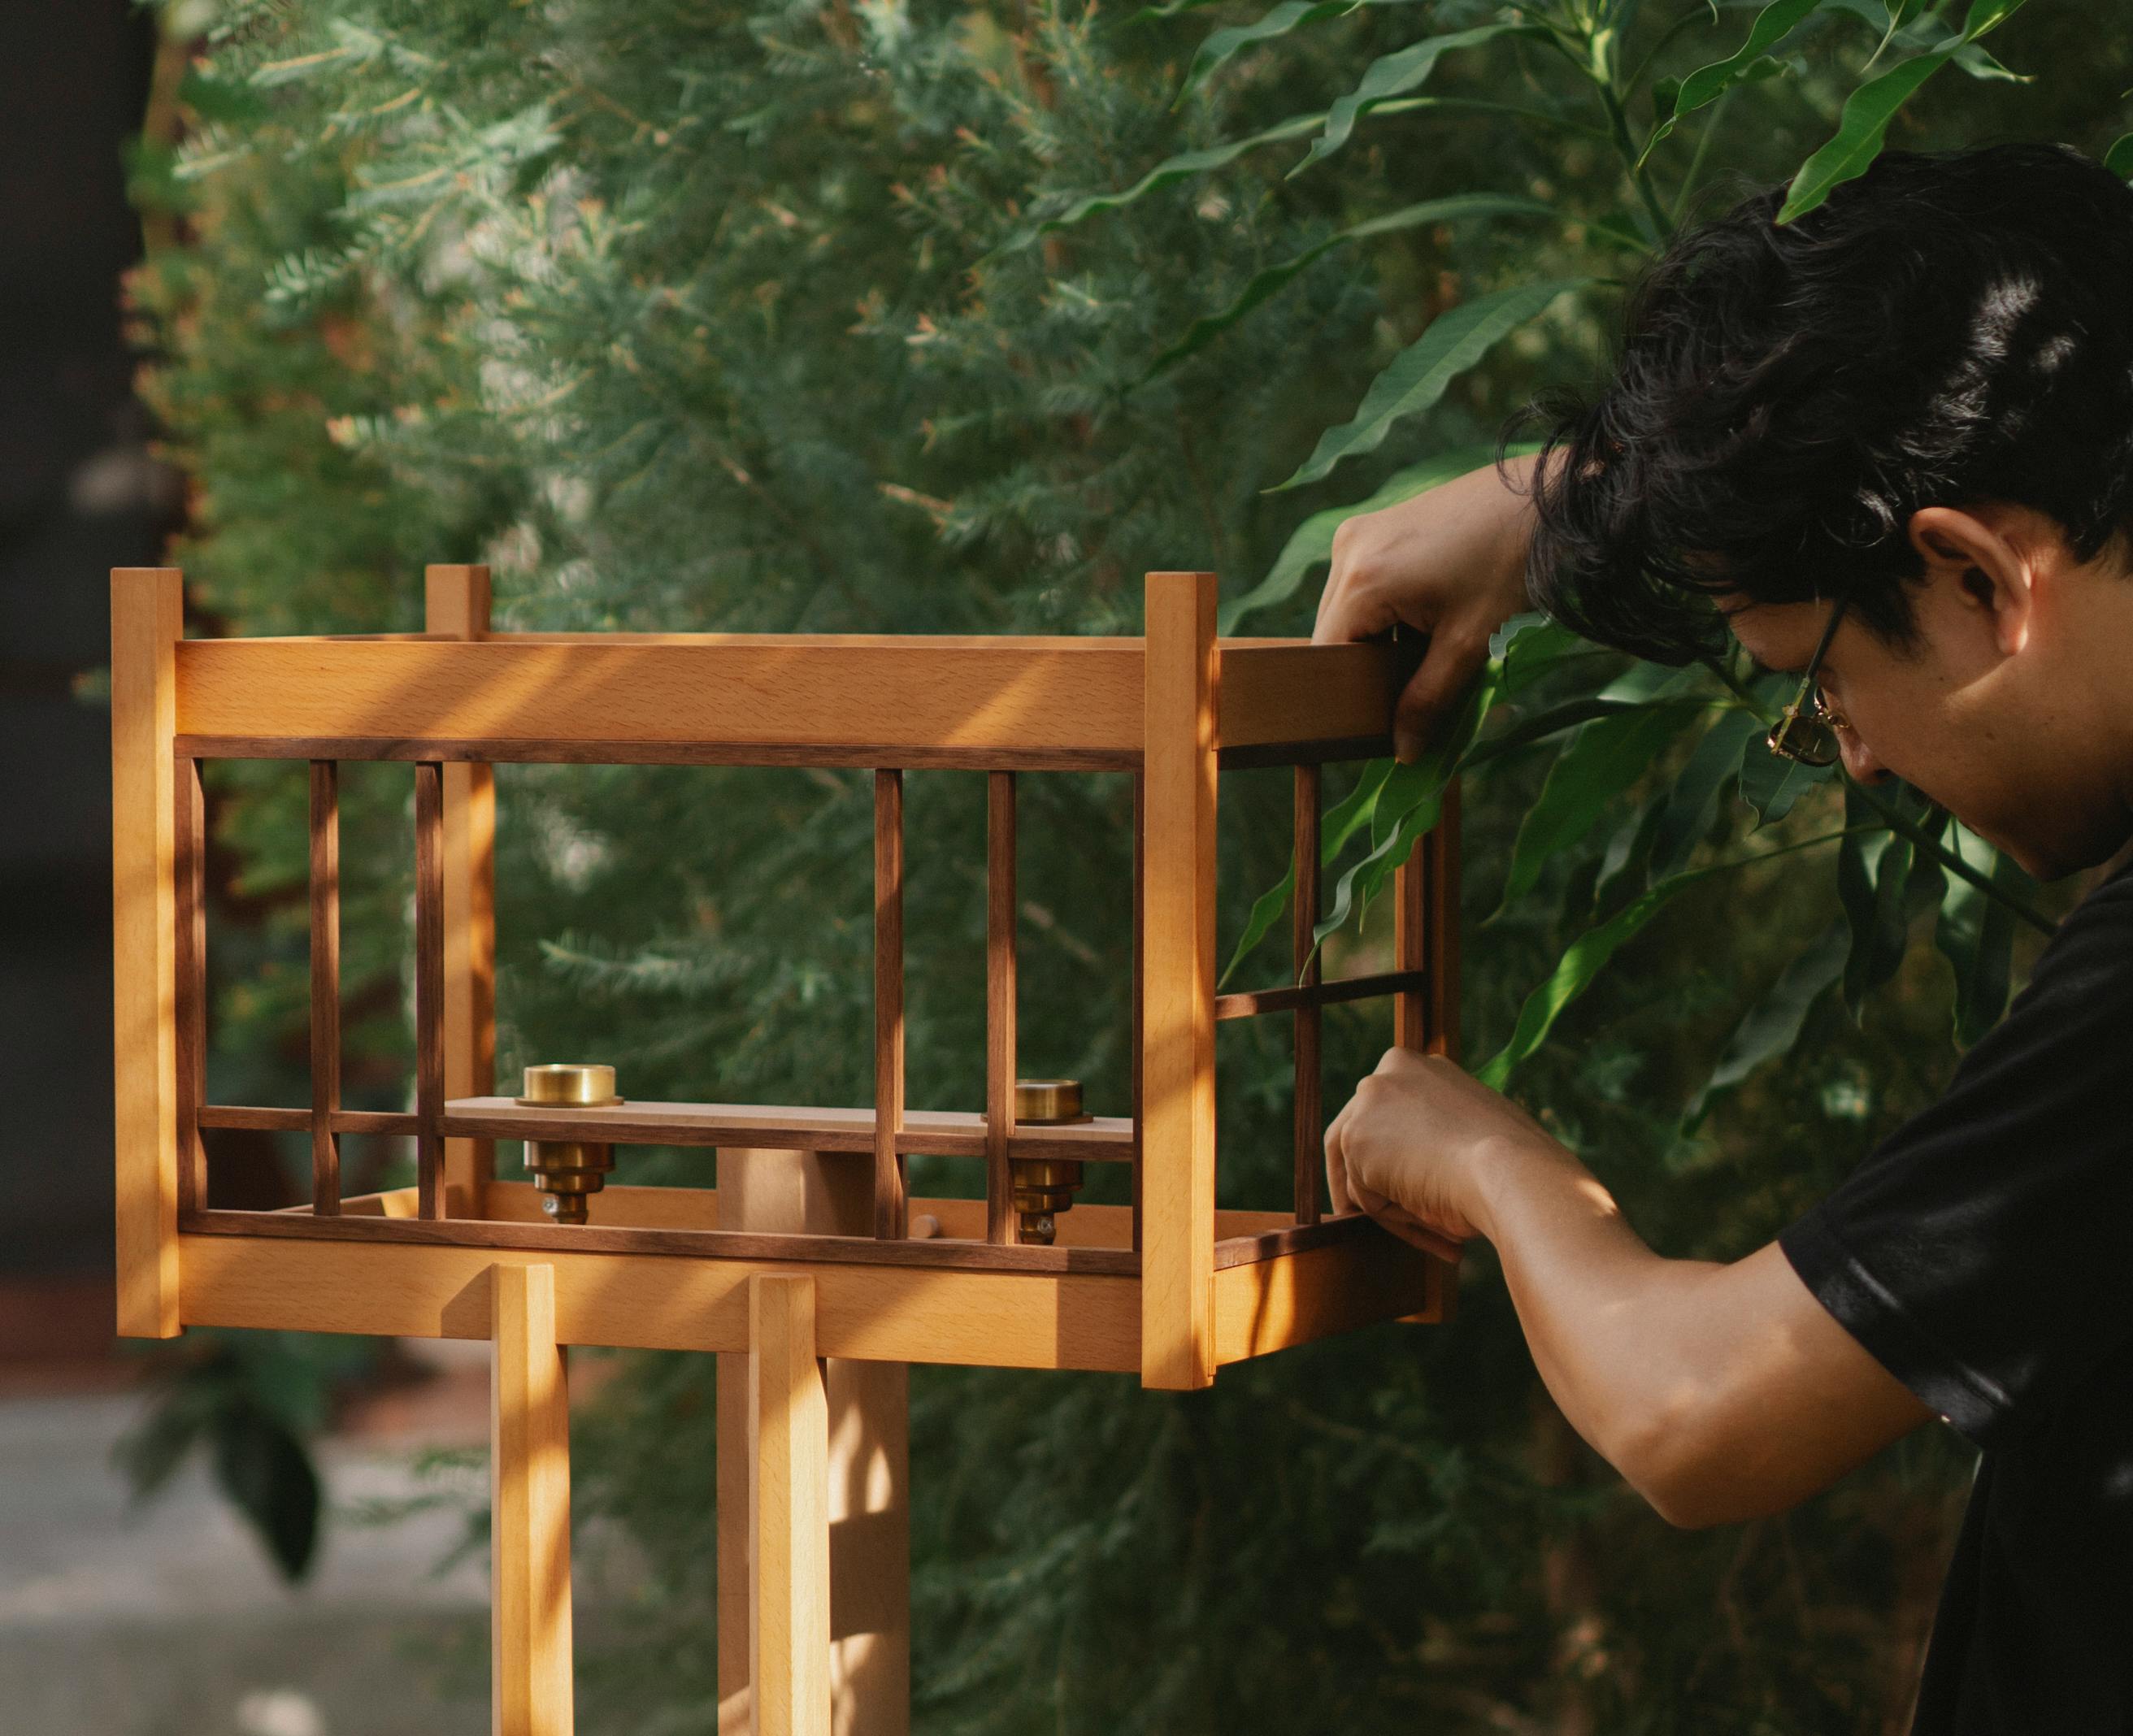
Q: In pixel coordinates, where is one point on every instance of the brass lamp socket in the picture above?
(1044, 1187)
(566, 1172)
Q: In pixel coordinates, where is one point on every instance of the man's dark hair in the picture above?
(1946, 330)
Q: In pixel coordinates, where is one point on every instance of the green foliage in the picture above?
(823, 317)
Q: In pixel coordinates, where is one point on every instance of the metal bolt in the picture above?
(1044, 1187)
(568, 1170)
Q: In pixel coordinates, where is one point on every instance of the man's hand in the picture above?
(1411, 1145)
(1451, 562)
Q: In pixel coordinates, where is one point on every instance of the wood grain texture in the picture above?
(1001, 1224)
(1254, 1003)
(546, 751)
(1177, 987)
(456, 605)
(189, 974)
(861, 1249)
(881, 1314)
(1266, 1305)
(430, 987)
(983, 696)
(869, 1493)
(147, 618)
(1289, 694)
(946, 1132)
(888, 1169)
(325, 985)
(788, 1651)
(1140, 986)
(1273, 1243)
(1309, 1109)
(529, 1508)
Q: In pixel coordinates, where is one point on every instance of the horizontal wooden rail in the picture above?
(1293, 1239)
(936, 1252)
(1250, 1004)
(939, 1132)
(827, 699)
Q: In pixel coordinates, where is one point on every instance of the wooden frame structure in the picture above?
(1169, 1286)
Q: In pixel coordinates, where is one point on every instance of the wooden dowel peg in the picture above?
(1310, 1115)
(430, 987)
(530, 1514)
(889, 1210)
(325, 986)
(1000, 1046)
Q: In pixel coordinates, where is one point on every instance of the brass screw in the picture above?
(1044, 1187)
(568, 1170)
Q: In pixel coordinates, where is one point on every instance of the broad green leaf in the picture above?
(1883, 880)
(1393, 75)
(1708, 84)
(1870, 108)
(1311, 541)
(1588, 778)
(1693, 804)
(1409, 806)
(1417, 376)
(264, 1471)
(1541, 725)
(1290, 15)
(1772, 1026)
(1860, 133)
(1771, 784)
(1456, 209)
(1171, 169)
(1587, 956)
(1976, 933)
(2118, 158)
(1339, 823)
(1538, 646)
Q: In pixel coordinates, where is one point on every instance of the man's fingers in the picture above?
(1336, 1167)
(1452, 658)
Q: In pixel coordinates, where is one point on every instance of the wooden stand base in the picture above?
(530, 1515)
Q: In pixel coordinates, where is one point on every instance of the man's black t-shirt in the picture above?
(1982, 1256)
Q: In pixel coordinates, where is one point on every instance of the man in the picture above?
(1889, 446)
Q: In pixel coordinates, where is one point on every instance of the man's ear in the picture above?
(1969, 553)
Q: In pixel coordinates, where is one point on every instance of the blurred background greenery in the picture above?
(902, 316)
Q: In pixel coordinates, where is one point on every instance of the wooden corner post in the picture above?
(147, 619)
(456, 605)
(530, 1501)
(1178, 984)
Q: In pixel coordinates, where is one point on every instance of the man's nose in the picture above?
(1859, 759)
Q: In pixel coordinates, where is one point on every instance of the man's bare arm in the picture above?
(1721, 1391)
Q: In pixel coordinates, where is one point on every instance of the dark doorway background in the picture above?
(78, 494)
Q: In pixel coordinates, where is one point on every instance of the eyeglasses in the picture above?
(1806, 729)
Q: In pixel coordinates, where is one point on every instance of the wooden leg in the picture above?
(788, 1522)
(530, 1519)
(867, 1469)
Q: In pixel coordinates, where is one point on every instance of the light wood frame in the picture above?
(1169, 1286)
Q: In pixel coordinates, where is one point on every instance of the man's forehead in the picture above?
(1773, 633)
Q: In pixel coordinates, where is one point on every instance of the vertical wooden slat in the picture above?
(456, 601)
(1177, 1040)
(530, 1508)
(1411, 1007)
(1000, 1221)
(189, 840)
(1309, 1114)
(1441, 865)
(325, 986)
(1139, 991)
(147, 618)
(429, 987)
(788, 1512)
(890, 1192)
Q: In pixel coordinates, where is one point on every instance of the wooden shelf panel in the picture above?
(942, 1132)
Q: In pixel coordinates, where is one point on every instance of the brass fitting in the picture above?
(1044, 1187)
(567, 1170)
